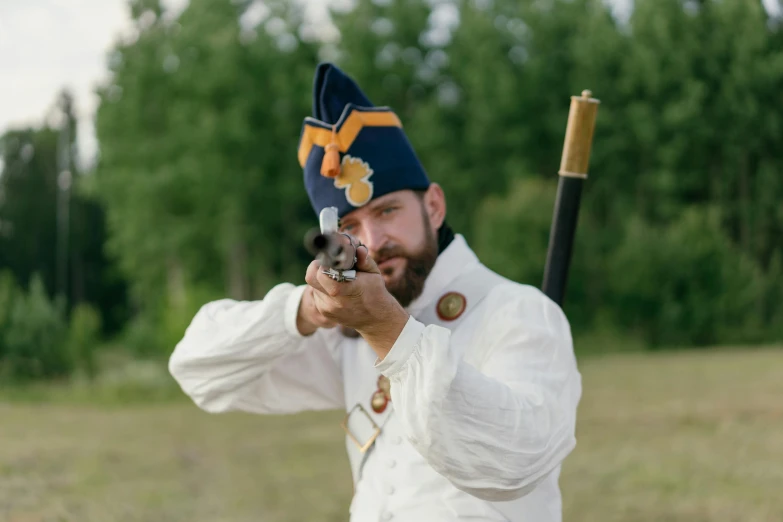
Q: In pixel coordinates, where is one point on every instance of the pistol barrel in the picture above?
(330, 249)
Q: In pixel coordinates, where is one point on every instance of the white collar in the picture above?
(453, 261)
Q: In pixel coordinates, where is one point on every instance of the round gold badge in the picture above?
(451, 306)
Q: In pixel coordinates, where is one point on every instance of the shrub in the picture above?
(8, 294)
(686, 283)
(683, 283)
(142, 338)
(155, 332)
(512, 232)
(35, 336)
(512, 238)
(84, 338)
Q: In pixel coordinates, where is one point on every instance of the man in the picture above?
(460, 386)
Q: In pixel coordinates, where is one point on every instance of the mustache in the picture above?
(388, 252)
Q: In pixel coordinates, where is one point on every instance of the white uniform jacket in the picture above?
(483, 407)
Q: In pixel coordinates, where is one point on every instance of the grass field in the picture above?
(665, 437)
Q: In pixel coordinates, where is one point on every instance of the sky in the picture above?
(46, 45)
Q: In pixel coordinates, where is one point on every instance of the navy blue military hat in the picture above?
(352, 151)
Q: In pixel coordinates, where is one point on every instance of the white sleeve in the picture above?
(498, 430)
(249, 356)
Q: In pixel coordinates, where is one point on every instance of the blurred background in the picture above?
(148, 165)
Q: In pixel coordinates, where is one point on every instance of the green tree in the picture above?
(198, 172)
(199, 122)
(49, 223)
(28, 205)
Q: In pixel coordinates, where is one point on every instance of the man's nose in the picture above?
(373, 238)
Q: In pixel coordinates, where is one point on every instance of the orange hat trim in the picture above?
(315, 134)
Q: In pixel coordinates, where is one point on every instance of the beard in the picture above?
(418, 265)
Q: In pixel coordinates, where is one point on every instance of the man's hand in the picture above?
(363, 304)
(309, 319)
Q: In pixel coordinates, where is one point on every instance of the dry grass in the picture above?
(674, 437)
(679, 437)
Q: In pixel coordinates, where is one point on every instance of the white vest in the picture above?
(360, 379)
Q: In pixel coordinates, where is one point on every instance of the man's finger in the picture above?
(329, 286)
(319, 303)
(312, 276)
(365, 262)
(324, 304)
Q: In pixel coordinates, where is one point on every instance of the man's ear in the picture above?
(435, 205)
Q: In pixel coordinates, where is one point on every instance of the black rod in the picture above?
(561, 238)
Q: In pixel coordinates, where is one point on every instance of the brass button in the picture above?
(451, 306)
(379, 401)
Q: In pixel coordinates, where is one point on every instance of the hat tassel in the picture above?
(330, 167)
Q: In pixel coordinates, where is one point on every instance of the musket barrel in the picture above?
(573, 171)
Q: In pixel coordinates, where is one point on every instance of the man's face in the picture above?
(399, 231)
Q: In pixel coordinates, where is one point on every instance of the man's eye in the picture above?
(389, 210)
